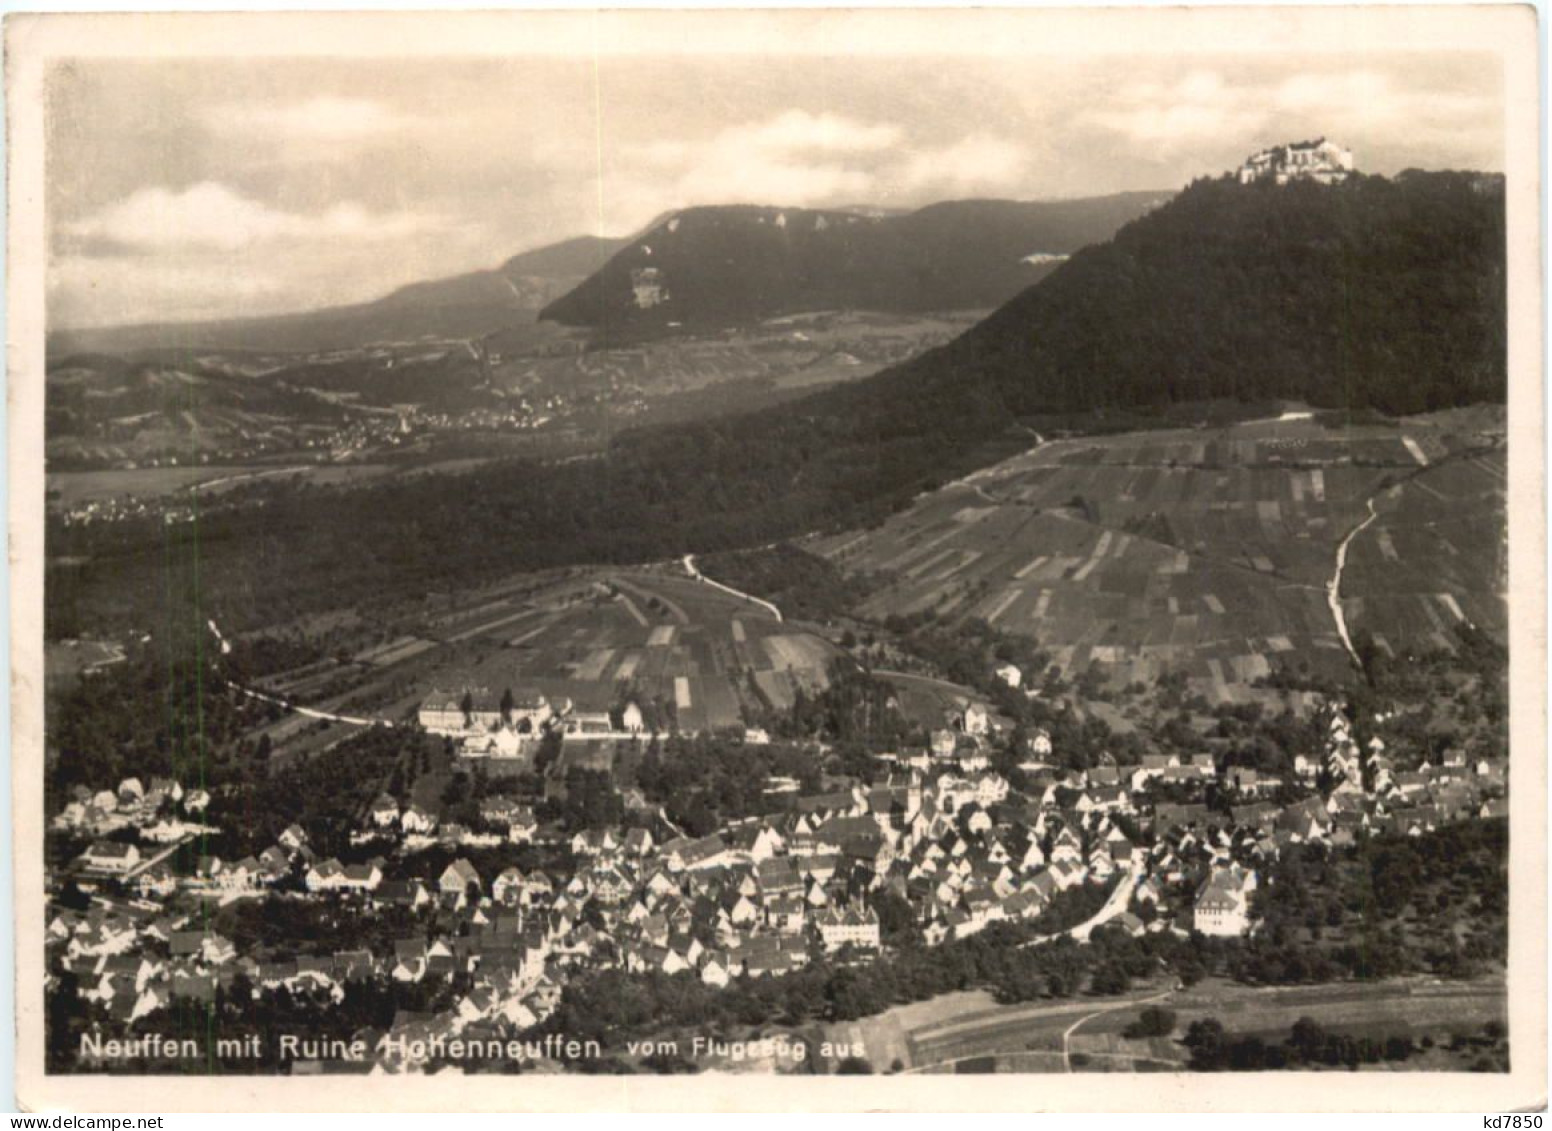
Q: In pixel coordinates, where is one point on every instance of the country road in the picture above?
(309, 712)
(1007, 1030)
(1111, 1008)
(690, 568)
(1334, 586)
(937, 1039)
(1113, 906)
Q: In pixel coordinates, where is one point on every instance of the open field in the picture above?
(1436, 556)
(595, 637)
(1208, 551)
(63, 662)
(792, 352)
(970, 1032)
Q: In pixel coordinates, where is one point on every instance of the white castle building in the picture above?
(1318, 160)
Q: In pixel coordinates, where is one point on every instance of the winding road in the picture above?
(309, 712)
(1111, 1008)
(690, 568)
(1115, 904)
(1334, 586)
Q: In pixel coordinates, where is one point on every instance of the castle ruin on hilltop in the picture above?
(1318, 160)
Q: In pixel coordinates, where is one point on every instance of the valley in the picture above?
(127, 434)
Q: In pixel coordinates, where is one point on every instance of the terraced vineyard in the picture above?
(1211, 552)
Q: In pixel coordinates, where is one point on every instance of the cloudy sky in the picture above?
(183, 189)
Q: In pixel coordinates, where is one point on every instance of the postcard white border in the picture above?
(1509, 31)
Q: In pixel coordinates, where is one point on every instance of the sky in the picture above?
(193, 188)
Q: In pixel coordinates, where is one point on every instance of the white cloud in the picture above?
(979, 163)
(803, 159)
(211, 216)
(793, 158)
(798, 130)
(1199, 107)
(322, 118)
(1203, 113)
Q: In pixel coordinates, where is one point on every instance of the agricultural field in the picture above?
(1434, 558)
(791, 352)
(1209, 551)
(597, 637)
(970, 1032)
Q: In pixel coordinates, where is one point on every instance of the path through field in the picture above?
(690, 568)
(1334, 587)
(1111, 1008)
(310, 712)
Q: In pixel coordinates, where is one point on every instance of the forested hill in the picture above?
(729, 265)
(1376, 293)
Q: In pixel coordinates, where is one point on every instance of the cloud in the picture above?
(1367, 107)
(794, 157)
(1167, 117)
(211, 216)
(326, 118)
(806, 159)
(979, 163)
(798, 130)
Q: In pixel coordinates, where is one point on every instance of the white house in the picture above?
(1223, 903)
(840, 926)
(111, 857)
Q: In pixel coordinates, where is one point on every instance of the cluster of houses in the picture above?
(159, 817)
(153, 811)
(937, 829)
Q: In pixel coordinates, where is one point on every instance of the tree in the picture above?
(1308, 1038)
(896, 919)
(466, 705)
(1208, 1047)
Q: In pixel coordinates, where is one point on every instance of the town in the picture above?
(470, 919)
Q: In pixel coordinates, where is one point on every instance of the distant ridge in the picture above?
(734, 264)
(460, 306)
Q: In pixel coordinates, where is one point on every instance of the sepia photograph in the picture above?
(716, 551)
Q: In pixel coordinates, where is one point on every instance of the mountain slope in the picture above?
(1371, 294)
(726, 265)
(462, 306)
(1378, 293)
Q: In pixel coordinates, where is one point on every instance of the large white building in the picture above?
(1223, 904)
(1318, 160)
(443, 712)
(857, 926)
